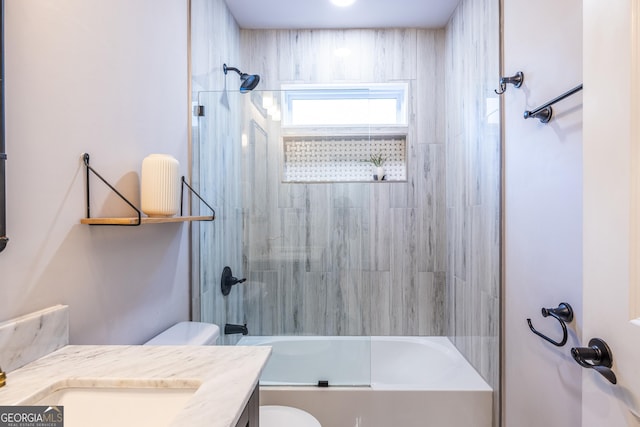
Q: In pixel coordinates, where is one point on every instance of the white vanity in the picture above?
(169, 386)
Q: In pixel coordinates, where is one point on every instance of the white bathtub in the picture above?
(375, 381)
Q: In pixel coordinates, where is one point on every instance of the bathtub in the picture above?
(375, 381)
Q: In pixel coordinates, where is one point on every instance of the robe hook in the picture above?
(516, 80)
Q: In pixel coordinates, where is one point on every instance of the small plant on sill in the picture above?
(376, 160)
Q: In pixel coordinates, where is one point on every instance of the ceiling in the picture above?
(316, 14)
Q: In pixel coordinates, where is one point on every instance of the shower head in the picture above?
(249, 81)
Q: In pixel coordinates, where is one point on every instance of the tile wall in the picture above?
(419, 257)
(217, 162)
(473, 184)
(346, 258)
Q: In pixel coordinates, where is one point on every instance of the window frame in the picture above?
(398, 91)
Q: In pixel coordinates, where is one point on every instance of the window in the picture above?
(383, 104)
(332, 131)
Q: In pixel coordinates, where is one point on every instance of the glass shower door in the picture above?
(282, 237)
(316, 360)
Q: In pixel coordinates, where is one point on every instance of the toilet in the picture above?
(187, 333)
(198, 333)
(273, 415)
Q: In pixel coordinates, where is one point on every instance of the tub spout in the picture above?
(230, 329)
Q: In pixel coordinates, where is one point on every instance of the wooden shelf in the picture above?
(138, 219)
(143, 220)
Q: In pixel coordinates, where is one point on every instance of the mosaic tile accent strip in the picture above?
(343, 159)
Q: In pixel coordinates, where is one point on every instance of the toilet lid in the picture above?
(286, 416)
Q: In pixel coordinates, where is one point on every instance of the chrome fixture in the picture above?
(249, 81)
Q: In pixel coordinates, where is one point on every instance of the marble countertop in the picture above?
(227, 376)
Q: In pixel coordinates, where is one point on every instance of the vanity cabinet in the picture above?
(251, 414)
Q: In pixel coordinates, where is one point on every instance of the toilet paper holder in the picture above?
(563, 313)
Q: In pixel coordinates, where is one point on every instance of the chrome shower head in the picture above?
(249, 81)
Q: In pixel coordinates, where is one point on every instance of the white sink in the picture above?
(107, 404)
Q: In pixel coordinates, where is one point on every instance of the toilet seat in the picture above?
(286, 416)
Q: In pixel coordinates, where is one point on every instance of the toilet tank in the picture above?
(187, 333)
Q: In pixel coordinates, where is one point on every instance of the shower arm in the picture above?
(225, 68)
(249, 82)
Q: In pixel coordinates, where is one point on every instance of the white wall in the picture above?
(611, 217)
(107, 77)
(543, 211)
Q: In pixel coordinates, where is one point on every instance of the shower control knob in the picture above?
(227, 281)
